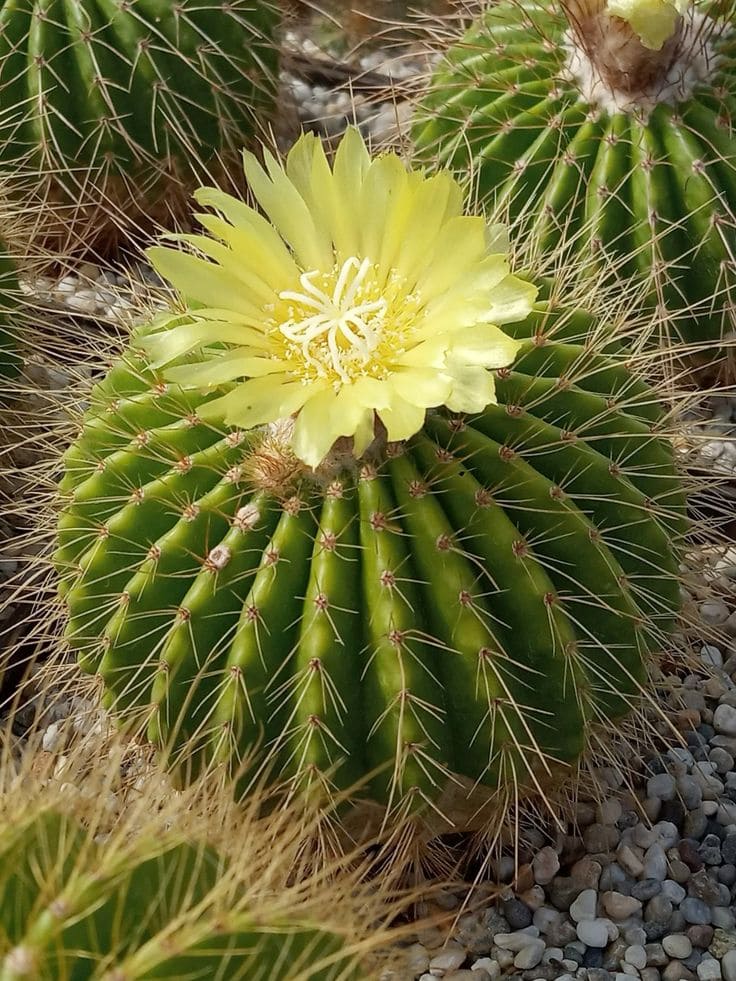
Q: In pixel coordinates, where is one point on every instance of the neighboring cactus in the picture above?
(108, 875)
(613, 134)
(72, 908)
(112, 102)
(458, 606)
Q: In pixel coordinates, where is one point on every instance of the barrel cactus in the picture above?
(318, 511)
(111, 101)
(164, 907)
(608, 125)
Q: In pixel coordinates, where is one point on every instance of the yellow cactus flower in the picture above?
(365, 291)
(654, 21)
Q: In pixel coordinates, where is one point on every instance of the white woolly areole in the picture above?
(694, 62)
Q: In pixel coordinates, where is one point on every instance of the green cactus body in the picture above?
(105, 96)
(465, 606)
(636, 168)
(72, 910)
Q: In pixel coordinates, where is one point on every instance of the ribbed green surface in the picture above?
(469, 607)
(72, 910)
(118, 84)
(658, 189)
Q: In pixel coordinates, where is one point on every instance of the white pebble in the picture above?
(593, 933)
(728, 965)
(636, 955)
(515, 941)
(545, 865)
(489, 966)
(530, 955)
(448, 959)
(709, 970)
(677, 945)
(584, 906)
(51, 737)
(724, 720)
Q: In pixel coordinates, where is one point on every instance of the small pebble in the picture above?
(677, 945)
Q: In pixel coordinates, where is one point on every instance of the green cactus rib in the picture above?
(651, 189)
(72, 911)
(469, 605)
(121, 84)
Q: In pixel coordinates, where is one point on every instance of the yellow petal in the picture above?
(248, 221)
(289, 213)
(224, 368)
(423, 387)
(435, 202)
(274, 266)
(654, 21)
(460, 244)
(236, 265)
(201, 281)
(473, 388)
(257, 401)
(483, 345)
(167, 345)
(316, 428)
(402, 419)
(383, 184)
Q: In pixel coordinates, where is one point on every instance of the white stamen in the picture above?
(336, 317)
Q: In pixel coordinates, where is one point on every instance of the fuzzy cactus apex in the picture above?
(117, 104)
(606, 128)
(365, 508)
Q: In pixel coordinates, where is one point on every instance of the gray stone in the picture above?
(675, 971)
(695, 823)
(721, 759)
(677, 945)
(593, 933)
(728, 966)
(728, 849)
(656, 956)
(709, 970)
(636, 955)
(690, 792)
(667, 833)
(518, 914)
(722, 918)
(695, 910)
(650, 974)
(658, 908)
(584, 906)
(600, 838)
(620, 907)
(517, 940)
(530, 955)
(724, 720)
(673, 891)
(662, 785)
(449, 958)
(655, 863)
(629, 861)
(546, 865)
(609, 811)
(646, 889)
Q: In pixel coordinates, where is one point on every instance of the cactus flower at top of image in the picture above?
(359, 511)
(609, 126)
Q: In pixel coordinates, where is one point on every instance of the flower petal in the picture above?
(473, 388)
(485, 345)
(225, 367)
(201, 281)
(168, 345)
(258, 400)
(402, 419)
(316, 428)
(423, 387)
(289, 212)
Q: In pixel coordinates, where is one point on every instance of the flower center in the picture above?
(338, 329)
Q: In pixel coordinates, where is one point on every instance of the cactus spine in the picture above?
(566, 117)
